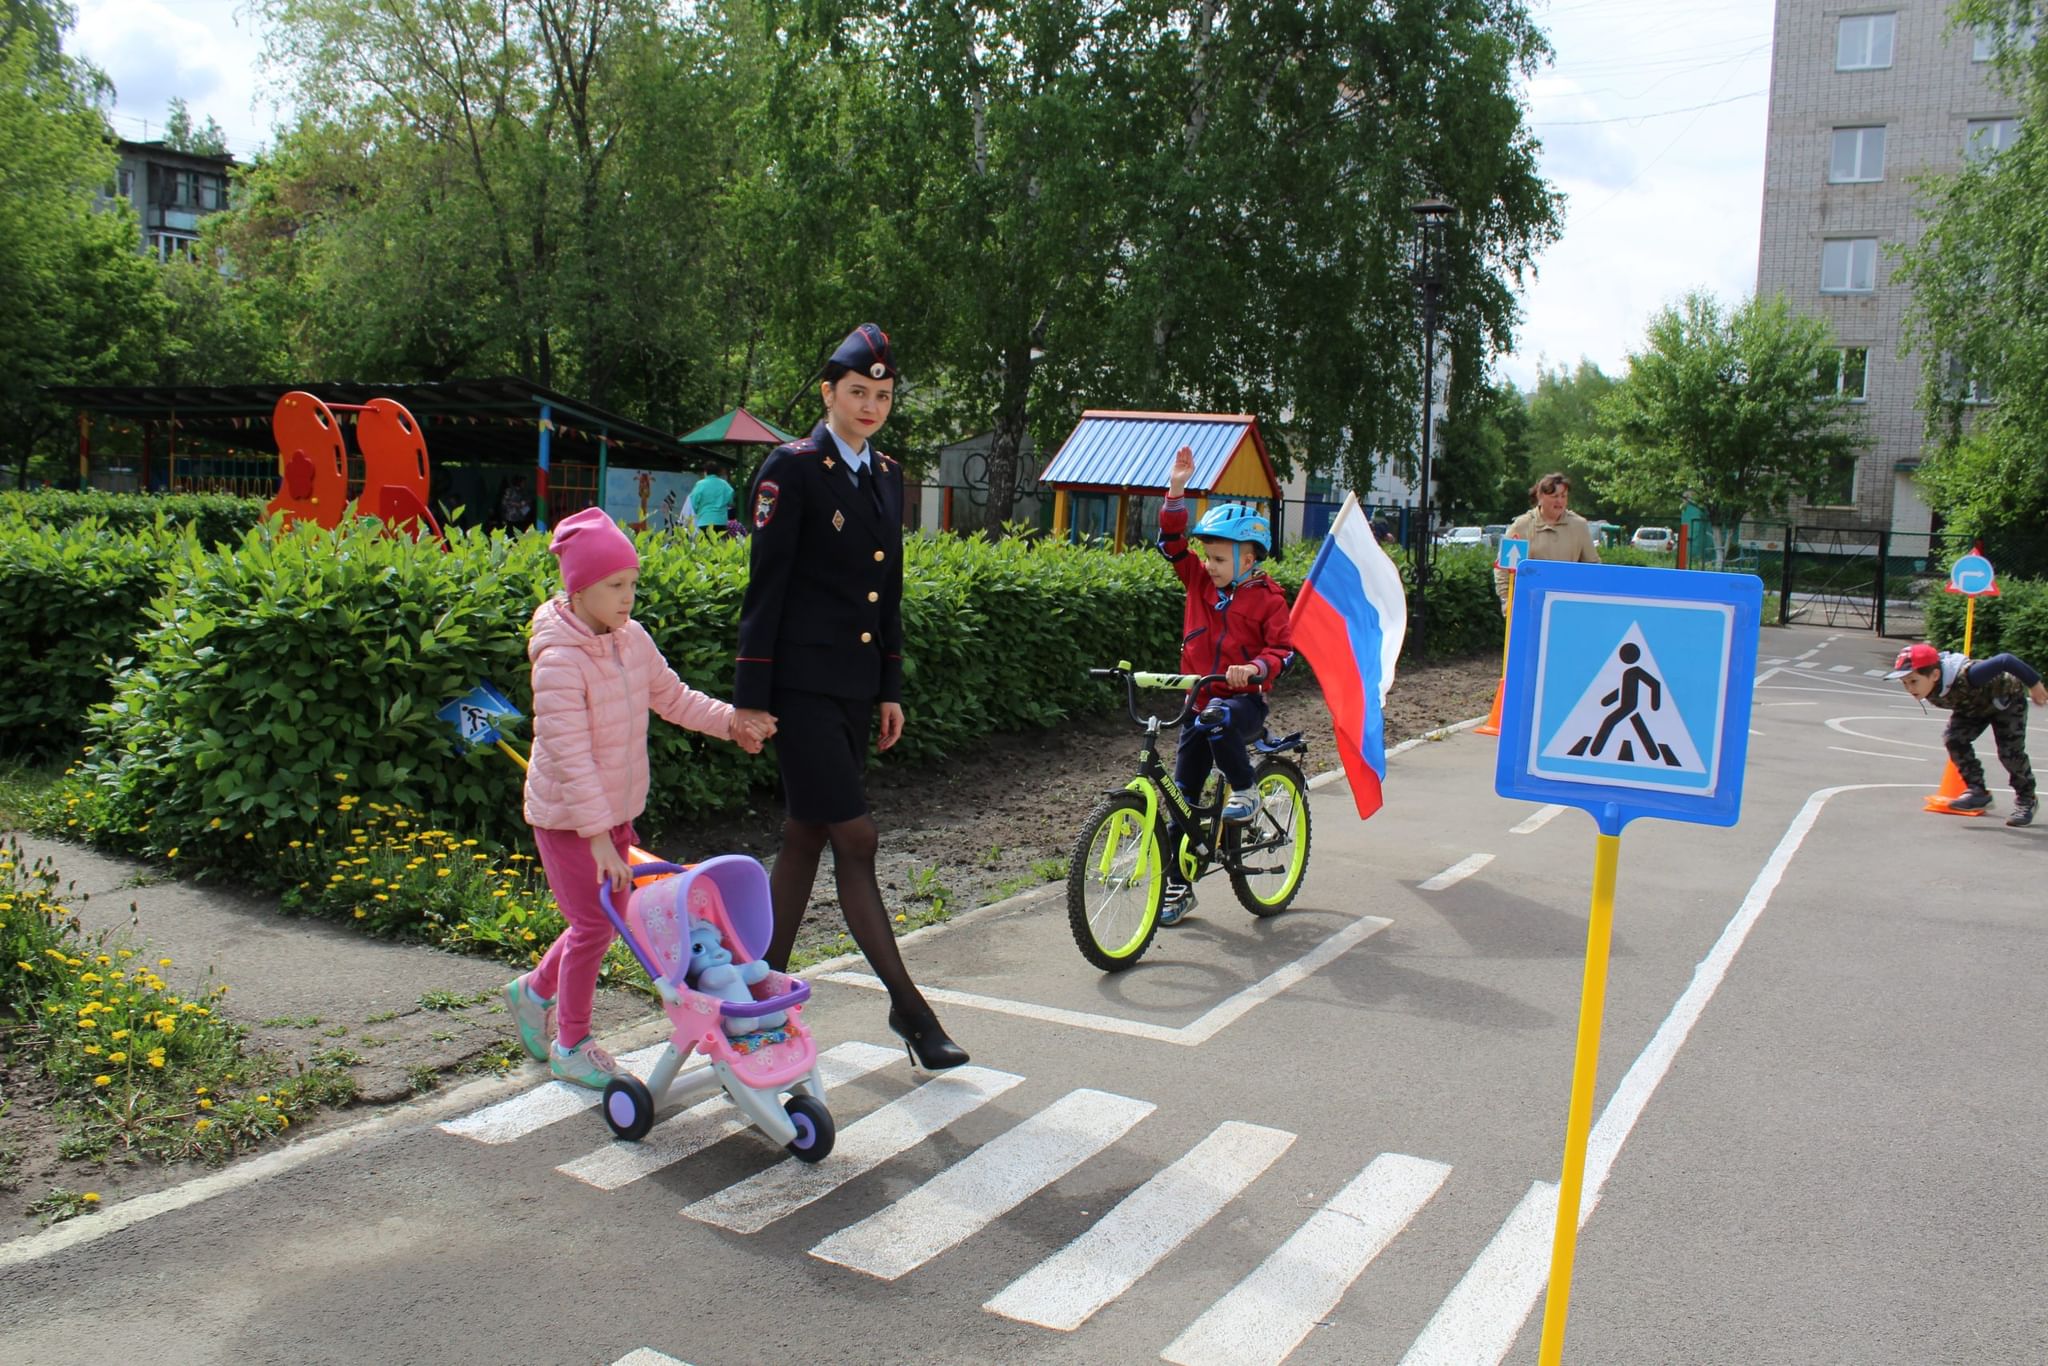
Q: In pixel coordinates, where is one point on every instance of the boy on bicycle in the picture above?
(1235, 624)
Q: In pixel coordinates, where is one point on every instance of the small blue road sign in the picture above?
(1513, 550)
(1628, 691)
(1971, 575)
(476, 713)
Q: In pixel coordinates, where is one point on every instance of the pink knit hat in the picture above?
(591, 548)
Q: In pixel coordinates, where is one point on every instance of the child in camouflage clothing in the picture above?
(1979, 693)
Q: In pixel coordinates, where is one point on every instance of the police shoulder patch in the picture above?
(765, 498)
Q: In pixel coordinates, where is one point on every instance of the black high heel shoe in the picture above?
(926, 1043)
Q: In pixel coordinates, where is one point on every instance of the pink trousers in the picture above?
(568, 972)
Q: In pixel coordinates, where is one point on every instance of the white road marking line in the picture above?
(1067, 1288)
(1808, 664)
(1779, 660)
(1840, 725)
(1456, 873)
(1880, 754)
(647, 1356)
(751, 1205)
(1268, 1313)
(1754, 731)
(1543, 816)
(700, 1126)
(963, 1199)
(1873, 673)
(1841, 668)
(543, 1105)
(1196, 1032)
(1481, 1317)
(1791, 704)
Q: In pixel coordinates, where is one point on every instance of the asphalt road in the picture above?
(1332, 1137)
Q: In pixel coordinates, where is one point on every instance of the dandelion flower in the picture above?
(200, 1126)
(163, 962)
(90, 1197)
(116, 1058)
(102, 1080)
(205, 1104)
(172, 852)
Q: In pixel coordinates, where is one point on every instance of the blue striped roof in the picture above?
(1135, 451)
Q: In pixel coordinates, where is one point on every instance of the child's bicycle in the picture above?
(1115, 880)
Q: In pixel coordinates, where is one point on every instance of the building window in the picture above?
(1856, 154)
(1864, 42)
(1985, 45)
(165, 245)
(1845, 372)
(212, 192)
(124, 183)
(1839, 488)
(1966, 387)
(1988, 137)
(1848, 266)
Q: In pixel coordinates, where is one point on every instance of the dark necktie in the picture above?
(864, 480)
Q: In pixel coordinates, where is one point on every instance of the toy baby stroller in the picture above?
(699, 932)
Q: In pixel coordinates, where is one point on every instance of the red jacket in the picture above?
(1246, 625)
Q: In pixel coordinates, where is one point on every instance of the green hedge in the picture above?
(72, 602)
(216, 518)
(2015, 620)
(303, 668)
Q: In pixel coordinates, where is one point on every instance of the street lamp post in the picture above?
(1430, 215)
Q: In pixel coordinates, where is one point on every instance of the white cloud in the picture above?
(1651, 129)
(207, 52)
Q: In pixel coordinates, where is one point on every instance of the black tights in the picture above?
(860, 899)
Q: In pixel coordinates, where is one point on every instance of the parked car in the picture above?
(1493, 532)
(1462, 535)
(1658, 540)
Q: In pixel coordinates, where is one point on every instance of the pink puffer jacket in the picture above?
(591, 696)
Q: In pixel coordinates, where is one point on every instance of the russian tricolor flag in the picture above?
(1350, 619)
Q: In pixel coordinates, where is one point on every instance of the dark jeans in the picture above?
(2009, 732)
(1199, 752)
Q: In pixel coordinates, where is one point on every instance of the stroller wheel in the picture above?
(628, 1108)
(814, 1131)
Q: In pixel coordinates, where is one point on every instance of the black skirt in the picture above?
(821, 748)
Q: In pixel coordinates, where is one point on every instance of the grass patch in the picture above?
(140, 1069)
(292, 1022)
(61, 1204)
(454, 1000)
(381, 1017)
(499, 1057)
(25, 788)
(337, 1057)
(423, 1079)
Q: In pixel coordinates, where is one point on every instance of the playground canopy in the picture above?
(1121, 458)
(737, 428)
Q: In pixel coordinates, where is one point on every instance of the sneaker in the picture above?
(1242, 806)
(2022, 814)
(1175, 903)
(534, 1016)
(584, 1065)
(1976, 799)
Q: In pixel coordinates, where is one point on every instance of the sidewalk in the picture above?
(302, 986)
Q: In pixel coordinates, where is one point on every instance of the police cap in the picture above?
(866, 352)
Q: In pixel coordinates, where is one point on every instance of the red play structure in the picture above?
(312, 464)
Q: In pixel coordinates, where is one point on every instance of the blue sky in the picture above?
(1652, 120)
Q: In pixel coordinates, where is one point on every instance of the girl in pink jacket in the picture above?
(596, 675)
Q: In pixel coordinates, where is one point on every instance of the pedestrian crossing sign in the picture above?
(1628, 691)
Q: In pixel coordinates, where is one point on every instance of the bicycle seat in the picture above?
(1266, 744)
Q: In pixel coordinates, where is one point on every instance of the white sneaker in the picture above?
(1242, 806)
(584, 1065)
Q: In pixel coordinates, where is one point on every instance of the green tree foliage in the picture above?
(1726, 405)
(81, 307)
(180, 135)
(1562, 409)
(530, 188)
(1979, 275)
(1152, 205)
(1482, 467)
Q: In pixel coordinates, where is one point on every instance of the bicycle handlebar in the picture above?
(1191, 684)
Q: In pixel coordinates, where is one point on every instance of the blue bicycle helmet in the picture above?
(1235, 522)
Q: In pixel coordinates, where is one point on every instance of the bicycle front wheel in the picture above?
(1113, 884)
(1268, 857)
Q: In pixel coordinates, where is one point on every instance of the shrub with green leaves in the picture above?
(215, 518)
(2015, 620)
(72, 602)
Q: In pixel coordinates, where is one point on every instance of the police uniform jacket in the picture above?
(823, 611)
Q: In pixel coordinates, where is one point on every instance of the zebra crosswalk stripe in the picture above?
(543, 1105)
(1267, 1314)
(1069, 1287)
(700, 1126)
(963, 1199)
(751, 1205)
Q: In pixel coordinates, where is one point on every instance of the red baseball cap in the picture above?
(1914, 658)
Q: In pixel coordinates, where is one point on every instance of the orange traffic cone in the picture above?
(1491, 726)
(1951, 788)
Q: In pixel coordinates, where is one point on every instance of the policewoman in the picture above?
(821, 650)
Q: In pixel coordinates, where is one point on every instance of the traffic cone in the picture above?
(1491, 726)
(1951, 788)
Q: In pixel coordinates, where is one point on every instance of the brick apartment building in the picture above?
(1864, 98)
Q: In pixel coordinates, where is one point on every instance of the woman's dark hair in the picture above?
(1549, 483)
